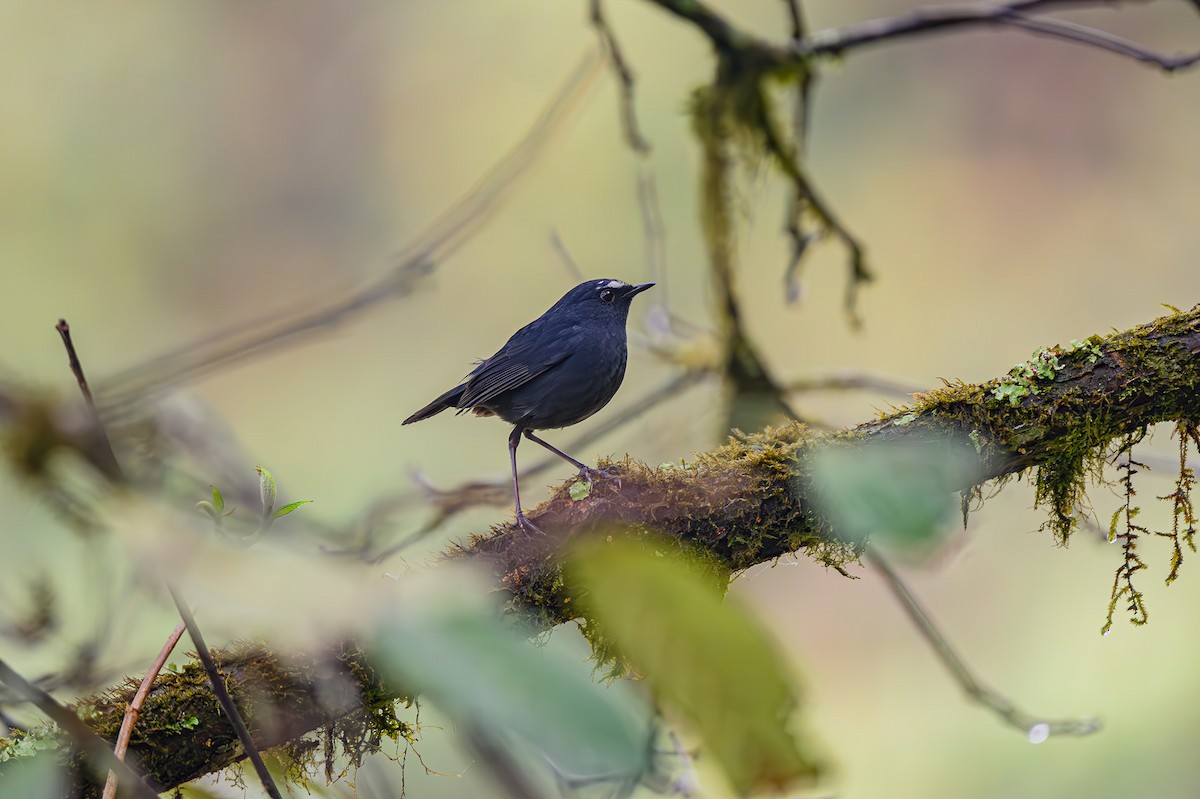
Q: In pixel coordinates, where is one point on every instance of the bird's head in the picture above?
(601, 299)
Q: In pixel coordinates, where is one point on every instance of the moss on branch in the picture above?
(748, 502)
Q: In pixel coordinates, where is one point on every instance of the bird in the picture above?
(555, 372)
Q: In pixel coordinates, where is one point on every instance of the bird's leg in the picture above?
(514, 438)
(585, 472)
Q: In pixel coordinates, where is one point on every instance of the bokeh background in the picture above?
(169, 170)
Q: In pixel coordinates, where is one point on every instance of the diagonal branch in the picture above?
(745, 503)
(749, 502)
(454, 228)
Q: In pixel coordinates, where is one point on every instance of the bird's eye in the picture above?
(608, 295)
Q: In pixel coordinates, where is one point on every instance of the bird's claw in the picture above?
(587, 474)
(528, 526)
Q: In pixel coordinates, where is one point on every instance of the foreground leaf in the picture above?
(487, 678)
(706, 658)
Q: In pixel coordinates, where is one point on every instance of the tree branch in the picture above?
(745, 503)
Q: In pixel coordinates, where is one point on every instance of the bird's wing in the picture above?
(504, 371)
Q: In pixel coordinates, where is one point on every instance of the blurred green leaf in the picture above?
(218, 501)
(706, 658)
(903, 492)
(580, 489)
(266, 489)
(32, 777)
(485, 677)
(288, 508)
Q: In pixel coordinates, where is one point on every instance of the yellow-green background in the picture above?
(167, 169)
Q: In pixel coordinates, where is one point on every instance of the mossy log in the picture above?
(745, 503)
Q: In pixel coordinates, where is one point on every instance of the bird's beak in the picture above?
(638, 289)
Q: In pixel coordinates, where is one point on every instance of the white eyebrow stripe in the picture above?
(615, 284)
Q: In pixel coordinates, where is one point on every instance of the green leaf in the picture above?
(33, 777)
(485, 677)
(266, 489)
(580, 489)
(706, 658)
(903, 492)
(288, 508)
(218, 501)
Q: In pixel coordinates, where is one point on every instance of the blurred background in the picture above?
(169, 170)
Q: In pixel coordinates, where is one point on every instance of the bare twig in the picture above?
(1035, 727)
(1093, 37)
(633, 136)
(654, 233)
(108, 456)
(848, 379)
(131, 712)
(88, 742)
(455, 227)
(939, 19)
(222, 694)
(64, 330)
(801, 105)
(218, 684)
(560, 249)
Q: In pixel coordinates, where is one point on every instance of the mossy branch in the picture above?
(182, 734)
(749, 502)
(745, 503)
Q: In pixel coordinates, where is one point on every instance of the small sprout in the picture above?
(288, 508)
(266, 490)
(580, 489)
(215, 510)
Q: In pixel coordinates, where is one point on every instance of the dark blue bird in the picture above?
(555, 372)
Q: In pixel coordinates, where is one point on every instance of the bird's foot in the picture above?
(528, 526)
(588, 475)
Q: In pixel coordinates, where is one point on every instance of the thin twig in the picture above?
(801, 105)
(847, 380)
(64, 330)
(454, 228)
(131, 712)
(222, 694)
(654, 232)
(560, 249)
(218, 684)
(1102, 40)
(92, 745)
(1035, 727)
(941, 19)
(625, 77)
(109, 466)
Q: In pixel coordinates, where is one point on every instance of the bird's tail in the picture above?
(448, 400)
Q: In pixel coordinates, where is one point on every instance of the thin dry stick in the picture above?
(637, 142)
(92, 745)
(560, 249)
(210, 666)
(850, 379)
(222, 694)
(110, 466)
(1035, 727)
(939, 19)
(131, 712)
